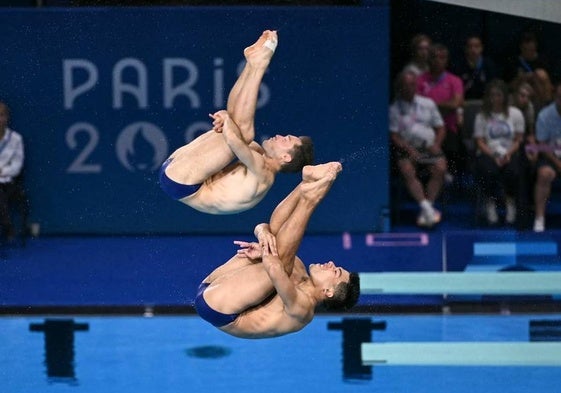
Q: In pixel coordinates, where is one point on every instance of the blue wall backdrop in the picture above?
(103, 95)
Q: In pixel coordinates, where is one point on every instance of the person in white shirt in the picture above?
(498, 132)
(417, 132)
(11, 163)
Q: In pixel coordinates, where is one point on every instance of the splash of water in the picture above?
(364, 153)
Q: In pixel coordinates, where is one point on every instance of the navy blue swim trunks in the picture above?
(172, 188)
(208, 314)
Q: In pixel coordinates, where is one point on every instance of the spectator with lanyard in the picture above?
(417, 132)
(533, 67)
(474, 69)
(447, 91)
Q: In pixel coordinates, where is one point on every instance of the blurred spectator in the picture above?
(446, 90)
(541, 85)
(499, 129)
(548, 135)
(528, 59)
(11, 163)
(474, 69)
(521, 98)
(417, 132)
(420, 45)
(530, 66)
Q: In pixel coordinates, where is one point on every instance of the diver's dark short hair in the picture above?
(345, 296)
(302, 155)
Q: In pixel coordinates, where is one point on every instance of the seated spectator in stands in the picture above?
(446, 90)
(530, 66)
(521, 98)
(528, 59)
(474, 69)
(11, 163)
(498, 131)
(541, 85)
(419, 47)
(548, 135)
(417, 132)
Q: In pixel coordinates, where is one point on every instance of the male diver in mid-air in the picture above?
(224, 171)
(265, 290)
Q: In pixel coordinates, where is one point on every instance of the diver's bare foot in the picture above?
(315, 188)
(312, 173)
(260, 53)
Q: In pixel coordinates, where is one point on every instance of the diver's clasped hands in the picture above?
(267, 245)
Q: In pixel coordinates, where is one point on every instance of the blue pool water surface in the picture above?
(184, 354)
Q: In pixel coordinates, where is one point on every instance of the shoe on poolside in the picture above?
(510, 208)
(491, 212)
(429, 218)
(539, 224)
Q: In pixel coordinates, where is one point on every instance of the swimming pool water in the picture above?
(184, 354)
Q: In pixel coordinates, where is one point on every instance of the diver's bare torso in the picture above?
(207, 161)
(270, 318)
(231, 190)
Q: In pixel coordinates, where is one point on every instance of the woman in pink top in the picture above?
(447, 91)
